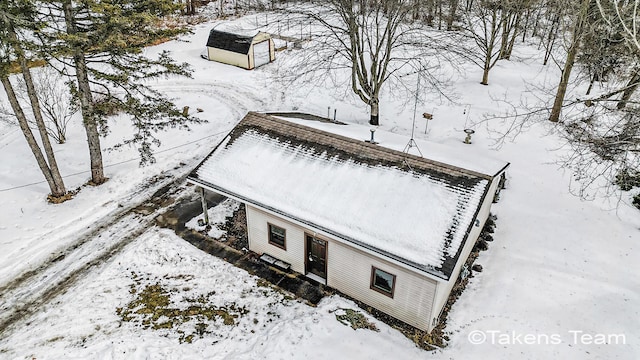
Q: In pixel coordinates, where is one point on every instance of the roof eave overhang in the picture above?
(416, 268)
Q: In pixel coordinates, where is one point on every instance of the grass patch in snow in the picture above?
(355, 319)
(154, 307)
(55, 338)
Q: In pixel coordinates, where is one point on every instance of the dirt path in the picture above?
(26, 294)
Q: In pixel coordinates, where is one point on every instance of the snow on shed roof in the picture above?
(228, 41)
(405, 207)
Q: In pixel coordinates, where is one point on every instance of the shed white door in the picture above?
(261, 53)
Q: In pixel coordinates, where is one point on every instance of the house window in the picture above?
(382, 281)
(277, 236)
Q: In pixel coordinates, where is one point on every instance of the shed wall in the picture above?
(261, 36)
(229, 57)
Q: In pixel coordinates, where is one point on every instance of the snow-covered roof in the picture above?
(408, 208)
(464, 158)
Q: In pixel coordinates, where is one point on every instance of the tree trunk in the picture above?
(512, 41)
(568, 65)
(58, 189)
(490, 46)
(31, 140)
(375, 118)
(191, 7)
(86, 101)
(527, 18)
(549, 49)
(510, 24)
(631, 87)
(591, 82)
(551, 39)
(453, 6)
(430, 12)
(439, 4)
(485, 76)
(535, 24)
(504, 40)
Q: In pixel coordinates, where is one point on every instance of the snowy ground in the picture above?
(83, 324)
(560, 277)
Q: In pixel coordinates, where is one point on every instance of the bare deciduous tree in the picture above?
(576, 38)
(625, 16)
(484, 24)
(373, 40)
(605, 145)
(512, 11)
(57, 105)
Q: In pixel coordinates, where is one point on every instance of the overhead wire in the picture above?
(119, 162)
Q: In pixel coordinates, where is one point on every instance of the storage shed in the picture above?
(248, 52)
(388, 228)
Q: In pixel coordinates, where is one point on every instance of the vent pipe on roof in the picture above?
(372, 140)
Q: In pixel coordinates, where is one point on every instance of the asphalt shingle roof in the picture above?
(405, 207)
(228, 41)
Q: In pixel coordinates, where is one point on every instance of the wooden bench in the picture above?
(275, 262)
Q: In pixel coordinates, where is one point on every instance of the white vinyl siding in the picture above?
(349, 271)
(258, 232)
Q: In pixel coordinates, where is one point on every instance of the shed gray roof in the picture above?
(404, 207)
(228, 41)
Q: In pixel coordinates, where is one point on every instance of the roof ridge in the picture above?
(410, 159)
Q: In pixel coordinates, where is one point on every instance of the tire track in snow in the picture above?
(237, 98)
(26, 294)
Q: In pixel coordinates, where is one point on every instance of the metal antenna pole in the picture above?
(415, 107)
(412, 141)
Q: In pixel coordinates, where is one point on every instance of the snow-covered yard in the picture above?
(560, 277)
(84, 324)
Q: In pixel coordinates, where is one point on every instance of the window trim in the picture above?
(381, 291)
(269, 235)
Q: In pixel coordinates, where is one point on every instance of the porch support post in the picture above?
(204, 206)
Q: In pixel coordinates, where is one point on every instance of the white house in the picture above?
(384, 227)
(247, 52)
